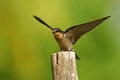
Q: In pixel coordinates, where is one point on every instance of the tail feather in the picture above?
(77, 57)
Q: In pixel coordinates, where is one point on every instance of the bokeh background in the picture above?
(26, 45)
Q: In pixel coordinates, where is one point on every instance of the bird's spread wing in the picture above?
(75, 32)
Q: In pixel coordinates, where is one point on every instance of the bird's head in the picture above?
(57, 31)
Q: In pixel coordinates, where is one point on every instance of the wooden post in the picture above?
(64, 66)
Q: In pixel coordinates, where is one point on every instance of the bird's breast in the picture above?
(63, 41)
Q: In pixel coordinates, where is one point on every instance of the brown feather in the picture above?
(75, 32)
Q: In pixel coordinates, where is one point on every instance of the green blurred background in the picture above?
(26, 45)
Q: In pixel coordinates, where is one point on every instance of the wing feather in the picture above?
(75, 32)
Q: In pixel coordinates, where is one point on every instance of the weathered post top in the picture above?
(64, 66)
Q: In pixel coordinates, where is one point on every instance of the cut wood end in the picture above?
(63, 55)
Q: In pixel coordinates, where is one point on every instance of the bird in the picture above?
(66, 39)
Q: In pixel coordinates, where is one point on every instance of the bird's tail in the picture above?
(77, 57)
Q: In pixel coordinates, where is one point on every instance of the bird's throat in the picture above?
(58, 36)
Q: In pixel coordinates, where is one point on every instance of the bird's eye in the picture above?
(57, 31)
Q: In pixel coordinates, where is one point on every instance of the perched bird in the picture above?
(66, 39)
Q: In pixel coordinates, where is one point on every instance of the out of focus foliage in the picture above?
(26, 45)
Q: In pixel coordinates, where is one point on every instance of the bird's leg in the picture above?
(70, 49)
